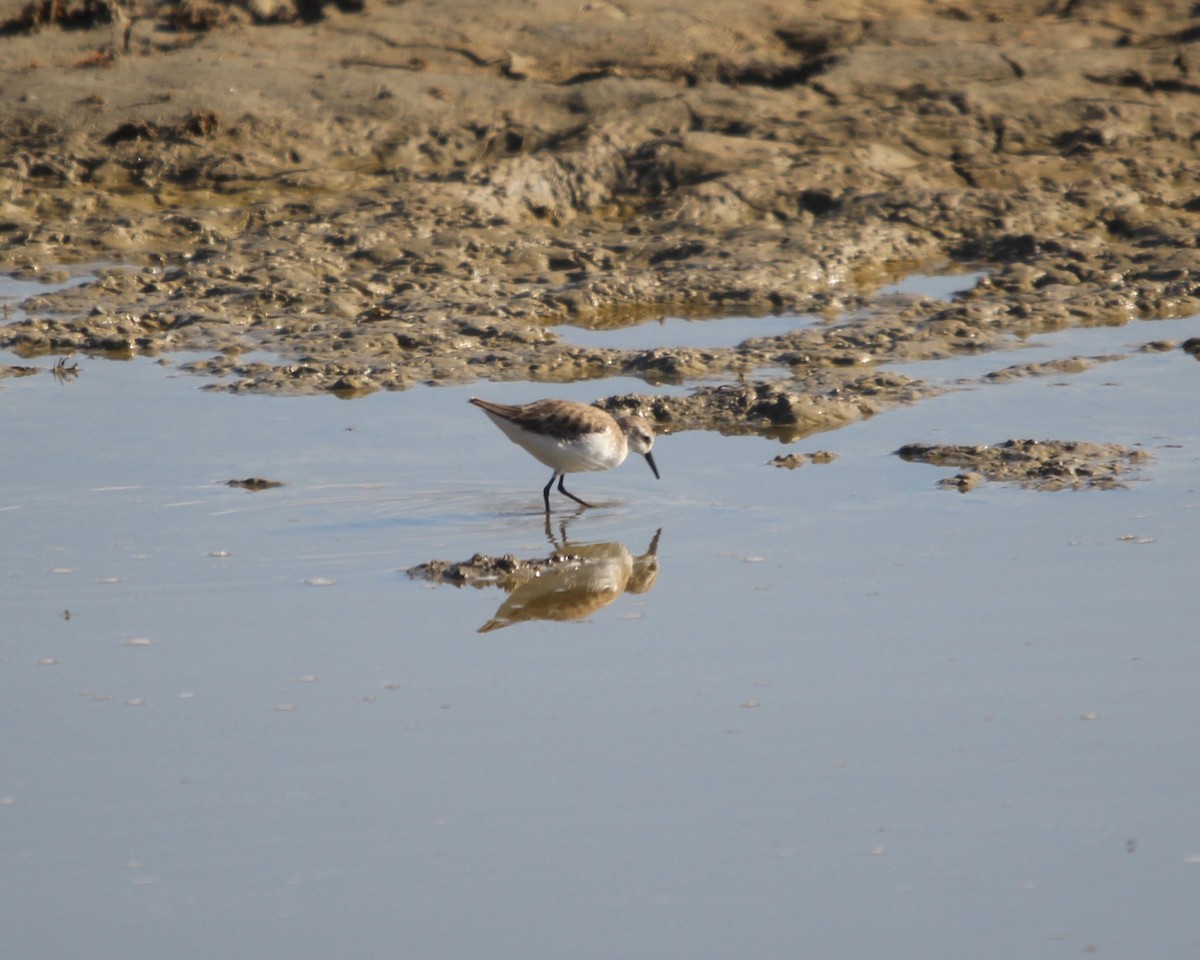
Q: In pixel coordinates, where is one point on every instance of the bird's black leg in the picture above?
(546, 491)
(562, 489)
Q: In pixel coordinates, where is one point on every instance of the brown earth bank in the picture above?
(389, 194)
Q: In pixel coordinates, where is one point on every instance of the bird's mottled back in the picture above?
(571, 437)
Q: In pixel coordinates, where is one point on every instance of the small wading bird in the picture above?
(571, 437)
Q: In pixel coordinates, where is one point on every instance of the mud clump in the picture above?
(773, 408)
(1037, 464)
(254, 484)
(791, 461)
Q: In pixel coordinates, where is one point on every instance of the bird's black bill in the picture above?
(650, 460)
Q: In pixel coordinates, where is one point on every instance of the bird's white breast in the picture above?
(599, 450)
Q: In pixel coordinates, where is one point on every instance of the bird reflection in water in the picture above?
(573, 582)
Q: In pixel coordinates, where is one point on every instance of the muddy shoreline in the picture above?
(413, 193)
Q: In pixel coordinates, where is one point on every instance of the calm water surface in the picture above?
(853, 715)
(730, 331)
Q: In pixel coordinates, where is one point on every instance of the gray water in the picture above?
(709, 332)
(854, 715)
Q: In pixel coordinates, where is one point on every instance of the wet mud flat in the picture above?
(405, 193)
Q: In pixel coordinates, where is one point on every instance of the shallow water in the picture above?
(853, 715)
(938, 286)
(671, 332)
(14, 290)
(719, 331)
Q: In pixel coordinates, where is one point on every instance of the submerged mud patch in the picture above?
(1051, 367)
(1037, 464)
(791, 461)
(63, 370)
